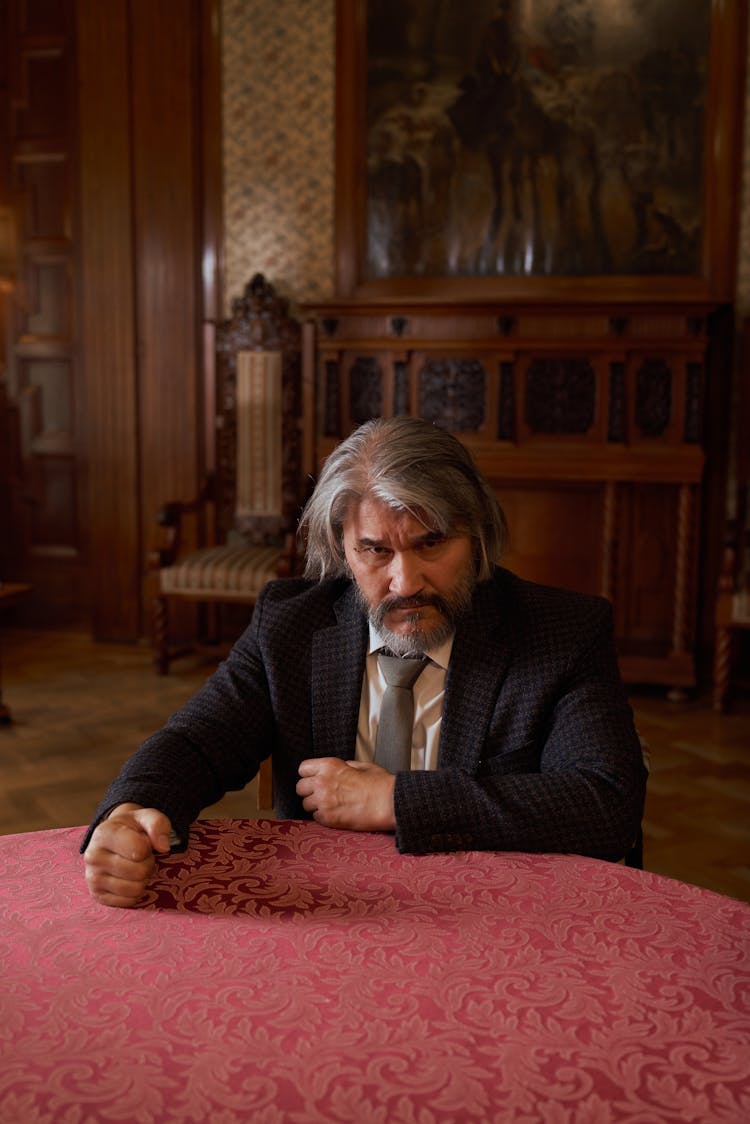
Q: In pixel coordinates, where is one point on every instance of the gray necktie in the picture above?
(396, 721)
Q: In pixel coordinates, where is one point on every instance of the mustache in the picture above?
(419, 601)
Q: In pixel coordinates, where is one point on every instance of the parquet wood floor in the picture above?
(80, 708)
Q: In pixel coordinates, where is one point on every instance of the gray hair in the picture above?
(411, 465)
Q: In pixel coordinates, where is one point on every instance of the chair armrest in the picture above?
(170, 516)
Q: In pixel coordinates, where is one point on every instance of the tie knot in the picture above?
(401, 671)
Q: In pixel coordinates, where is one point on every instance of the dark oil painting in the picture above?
(535, 137)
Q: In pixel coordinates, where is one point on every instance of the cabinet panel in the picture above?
(587, 420)
(568, 516)
(647, 563)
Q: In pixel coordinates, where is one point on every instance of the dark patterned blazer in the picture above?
(537, 750)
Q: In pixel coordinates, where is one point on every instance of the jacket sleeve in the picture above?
(214, 744)
(560, 769)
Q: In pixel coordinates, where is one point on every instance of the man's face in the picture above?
(414, 583)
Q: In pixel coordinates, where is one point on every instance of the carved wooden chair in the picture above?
(732, 613)
(251, 502)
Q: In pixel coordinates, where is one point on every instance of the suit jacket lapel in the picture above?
(482, 650)
(338, 661)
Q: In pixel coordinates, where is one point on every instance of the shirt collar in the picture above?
(440, 655)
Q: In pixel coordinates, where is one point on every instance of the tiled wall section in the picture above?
(278, 95)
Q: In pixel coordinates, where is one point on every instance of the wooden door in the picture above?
(111, 159)
(46, 543)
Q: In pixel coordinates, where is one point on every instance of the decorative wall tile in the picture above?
(278, 76)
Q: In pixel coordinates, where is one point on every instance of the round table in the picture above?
(282, 971)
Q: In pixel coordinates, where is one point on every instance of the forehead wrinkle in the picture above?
(377, 523)
(414, 540)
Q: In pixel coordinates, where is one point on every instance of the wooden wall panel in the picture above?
(570, 517)
(108, 345)
(647, 566)
(144, 215)
(166, 204)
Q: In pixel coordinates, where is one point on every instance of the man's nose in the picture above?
(406, 574)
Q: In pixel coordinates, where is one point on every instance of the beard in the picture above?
(419, 638)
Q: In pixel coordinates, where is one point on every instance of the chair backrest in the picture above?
(258, 416)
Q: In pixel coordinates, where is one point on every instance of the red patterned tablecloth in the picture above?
(280, 971)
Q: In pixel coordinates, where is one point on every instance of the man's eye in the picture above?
(373, 551)
(431, 544)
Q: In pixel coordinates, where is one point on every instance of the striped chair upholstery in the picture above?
(255, 490)
(234, 572)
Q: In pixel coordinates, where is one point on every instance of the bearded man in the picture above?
(522, 738)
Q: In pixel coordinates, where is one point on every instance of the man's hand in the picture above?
(347, 794)
(120, 855)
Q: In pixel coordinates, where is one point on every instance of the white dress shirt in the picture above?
(429, 691)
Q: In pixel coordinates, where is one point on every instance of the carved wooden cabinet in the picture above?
(587, 419)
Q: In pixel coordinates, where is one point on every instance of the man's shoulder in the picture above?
(536, 597)
(292, 610)
(298, 595)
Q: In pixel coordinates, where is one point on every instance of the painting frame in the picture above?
(713, 277)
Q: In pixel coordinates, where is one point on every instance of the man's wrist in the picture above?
(389, 818)
(124, 807)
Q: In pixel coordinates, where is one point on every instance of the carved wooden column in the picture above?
(683, 587)
(609, 541)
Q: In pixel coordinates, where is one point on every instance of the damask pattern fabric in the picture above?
(285, 972)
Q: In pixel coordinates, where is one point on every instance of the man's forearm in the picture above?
(448, 811)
